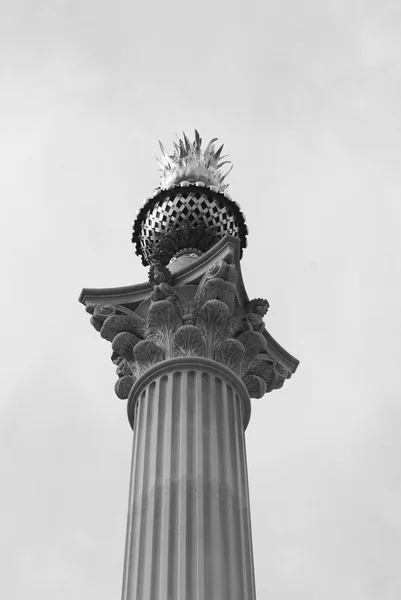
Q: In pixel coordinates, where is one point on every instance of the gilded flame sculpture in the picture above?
(190, 163)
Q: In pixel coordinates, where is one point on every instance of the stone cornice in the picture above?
(133, 295)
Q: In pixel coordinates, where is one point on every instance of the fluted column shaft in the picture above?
(189, 530)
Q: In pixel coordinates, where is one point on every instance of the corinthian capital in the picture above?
(203, 311)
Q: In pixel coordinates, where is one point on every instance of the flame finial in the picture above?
(190, 163)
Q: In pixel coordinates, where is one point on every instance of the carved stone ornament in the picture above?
(210, 325)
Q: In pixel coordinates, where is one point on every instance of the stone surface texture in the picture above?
(205, 321)
(189, 531)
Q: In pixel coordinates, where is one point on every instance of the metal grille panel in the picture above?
(192, 207)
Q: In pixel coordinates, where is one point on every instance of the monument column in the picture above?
(190, 349)
(189, 531)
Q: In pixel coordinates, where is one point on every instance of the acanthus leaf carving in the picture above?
(123, 386)
(146, 354)
(124, 366)
(211, 285)
(115, 324)
(281, 374)
(238, 320)
(218, 289)
(168, 293)
(188, 341)
(123, 344)
(230, 352)
(254, 343)
(213, 321)
(163, 322)
(255, 385)
(263, 367)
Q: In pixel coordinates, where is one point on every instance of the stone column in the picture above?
(188, 359)
(189, 530)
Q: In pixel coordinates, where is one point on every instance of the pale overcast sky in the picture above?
(306, 96)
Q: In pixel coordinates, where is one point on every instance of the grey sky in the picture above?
(306, 97)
